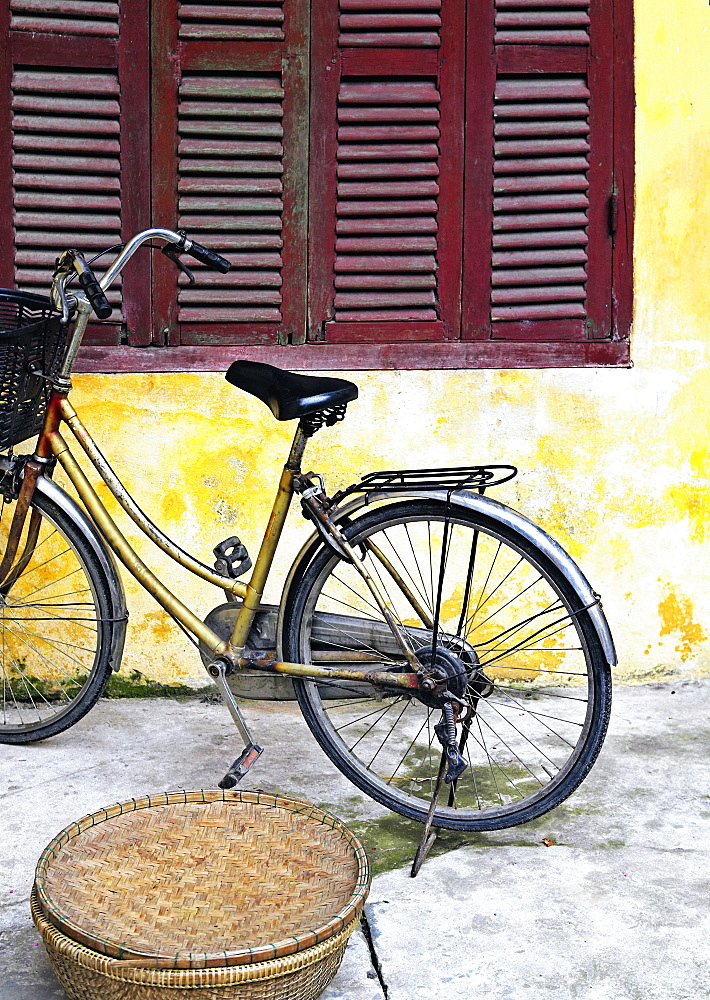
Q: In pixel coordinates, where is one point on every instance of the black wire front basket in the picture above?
(32, 345)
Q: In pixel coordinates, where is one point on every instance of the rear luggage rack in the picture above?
(474, 477)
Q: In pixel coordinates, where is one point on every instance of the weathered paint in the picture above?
(614, 463)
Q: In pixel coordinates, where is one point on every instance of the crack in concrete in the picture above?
(373, 954)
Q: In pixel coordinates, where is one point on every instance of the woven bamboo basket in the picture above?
(212, 894)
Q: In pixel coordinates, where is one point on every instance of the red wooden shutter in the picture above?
(538, 259)
(74, 180)
(230, 131)
(386, 170)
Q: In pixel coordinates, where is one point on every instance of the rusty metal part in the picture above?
(116, 540)
(378, 678)
(31, 471)
(231, 586)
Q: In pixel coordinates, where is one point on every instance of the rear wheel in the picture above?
(55, 629)
(536, 685)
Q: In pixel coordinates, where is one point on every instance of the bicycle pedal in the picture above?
(249, 755)
(232, 557)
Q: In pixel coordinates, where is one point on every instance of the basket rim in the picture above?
(347, 915)
(225, 975)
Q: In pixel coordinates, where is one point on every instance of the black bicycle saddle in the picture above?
(287, 394)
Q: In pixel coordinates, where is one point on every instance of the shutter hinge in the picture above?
(613, 211)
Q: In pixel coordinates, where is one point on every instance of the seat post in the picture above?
(282, 502)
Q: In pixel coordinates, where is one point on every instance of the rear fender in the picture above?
(489, 508)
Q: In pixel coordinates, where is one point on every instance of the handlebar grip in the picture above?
(208, 257)
(94, 293)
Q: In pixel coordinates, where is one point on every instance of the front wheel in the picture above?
(534, 684)
(56, 627)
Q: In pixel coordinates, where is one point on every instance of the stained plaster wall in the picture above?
(614, 463)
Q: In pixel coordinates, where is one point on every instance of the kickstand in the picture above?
(425, 844)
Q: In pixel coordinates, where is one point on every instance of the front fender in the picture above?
(105, 557)
(491, 509)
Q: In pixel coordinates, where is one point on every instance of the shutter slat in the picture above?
(352, 113)
(377, 262)
(548, 88)
(373, 133)
(241, 110)
(212, 12)
(64, 81)
(246, 167)
(539, 18)
(267, 87)
(222, 296)
(540, 258)
(402, 314)
(228, 204)
(402, 21)
(548, 164)
(60, 142)
(414, 169)
(390, 4)
(543, 293)
(383, 300)
(388, 92)
(385, 189)
(233, 33)
(385, 280)
(82, 164)
(541, 147)
(64, 25)
(225, 147)
(207, 127)
(43, 199)
(231, 185)
(561, 37)
(538, 276)
(238, 277)
(363, 244)
(541, 110)
(542, 238)
(65, 105)
(541, 220)
(386, 151)
(68, 182)
(45, 123)
(571, 199)
(263, 223)
(411, 207)
(553, 310)
(230, 314)
(536, 127)
(543, 182)
(394, 224)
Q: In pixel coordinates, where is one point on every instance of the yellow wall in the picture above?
(613, 463)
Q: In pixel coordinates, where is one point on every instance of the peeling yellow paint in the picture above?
(676, 614)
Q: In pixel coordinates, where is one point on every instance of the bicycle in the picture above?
(436, 638)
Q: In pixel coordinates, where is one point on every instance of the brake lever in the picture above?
(172, 251)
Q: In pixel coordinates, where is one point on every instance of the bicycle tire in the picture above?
(56, 631)
(511, 778)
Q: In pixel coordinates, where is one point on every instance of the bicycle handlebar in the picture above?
(92, 289)
(95, 290)
(207, 257)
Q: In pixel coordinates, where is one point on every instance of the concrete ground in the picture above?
(616, 909)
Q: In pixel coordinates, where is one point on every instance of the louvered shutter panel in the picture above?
(231, 142)
(386, 170)
(69, 158)
(538, 260)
